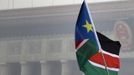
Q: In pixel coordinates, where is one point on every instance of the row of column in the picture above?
(45, 68)
(3, 69)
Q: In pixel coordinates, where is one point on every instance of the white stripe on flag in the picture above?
(107, 53)
(82, 43)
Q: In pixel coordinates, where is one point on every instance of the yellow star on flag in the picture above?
(87, 26)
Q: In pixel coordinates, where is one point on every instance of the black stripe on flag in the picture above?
(108, 44)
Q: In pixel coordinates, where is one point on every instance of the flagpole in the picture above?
(98, 42)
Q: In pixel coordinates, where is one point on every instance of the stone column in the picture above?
(25, 69)
(65, 68)
(3, 69)
(44, 68)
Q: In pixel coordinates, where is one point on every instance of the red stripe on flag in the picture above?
(111, 62)
(77, 43)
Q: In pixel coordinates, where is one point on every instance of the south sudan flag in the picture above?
(96, 54)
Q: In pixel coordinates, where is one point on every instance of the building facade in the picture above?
(40, 41)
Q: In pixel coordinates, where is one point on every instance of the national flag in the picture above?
(96, 54)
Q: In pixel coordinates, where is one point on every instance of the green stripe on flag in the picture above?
(85, 52)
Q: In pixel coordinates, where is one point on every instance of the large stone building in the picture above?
(40, 41)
